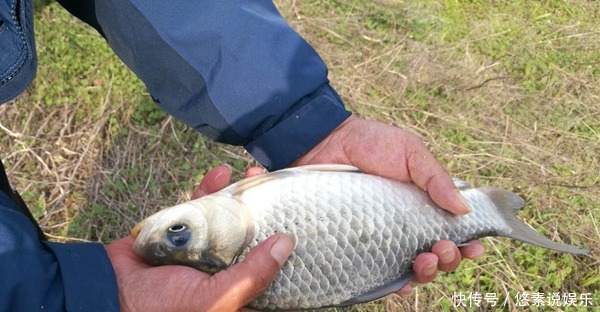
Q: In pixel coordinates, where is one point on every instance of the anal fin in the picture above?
(377, 292)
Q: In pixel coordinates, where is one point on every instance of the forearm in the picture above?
(39, 275)
(234, 70)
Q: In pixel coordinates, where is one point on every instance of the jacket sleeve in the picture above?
(234, 70)
(45, 276)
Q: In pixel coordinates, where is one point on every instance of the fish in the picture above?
(356, 234)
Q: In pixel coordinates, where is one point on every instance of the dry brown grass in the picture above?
(90, 168)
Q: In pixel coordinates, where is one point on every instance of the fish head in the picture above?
(207, 234)
(175, 235)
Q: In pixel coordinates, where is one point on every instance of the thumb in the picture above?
(214, 180)
(237, 286)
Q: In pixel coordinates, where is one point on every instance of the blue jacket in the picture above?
(234, 70)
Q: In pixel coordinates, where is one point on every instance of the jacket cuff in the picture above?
(317, 115)
(88, 276)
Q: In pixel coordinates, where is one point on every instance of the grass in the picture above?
(504, 93)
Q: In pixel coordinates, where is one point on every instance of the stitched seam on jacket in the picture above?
(14, 69)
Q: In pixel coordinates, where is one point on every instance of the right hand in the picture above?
(397, 154)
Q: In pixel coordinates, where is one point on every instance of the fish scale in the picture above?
(356, 234)
(372, 257)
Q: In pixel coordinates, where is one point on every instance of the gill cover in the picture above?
(207, 233)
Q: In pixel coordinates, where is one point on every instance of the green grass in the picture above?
(504, 93)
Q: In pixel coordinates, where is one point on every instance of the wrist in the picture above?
(332, 149)
(311, 120)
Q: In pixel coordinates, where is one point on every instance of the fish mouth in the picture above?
(137, 229)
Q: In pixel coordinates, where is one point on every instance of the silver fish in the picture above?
(356, 234)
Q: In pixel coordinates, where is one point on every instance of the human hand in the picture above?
(180, 288)
(397, 154)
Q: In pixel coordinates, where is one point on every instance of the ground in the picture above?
(504, 93)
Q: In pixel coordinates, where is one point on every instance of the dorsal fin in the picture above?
(325, 168)
(241, 186)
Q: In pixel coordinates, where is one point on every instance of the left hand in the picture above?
(179, 288)
(397, 154)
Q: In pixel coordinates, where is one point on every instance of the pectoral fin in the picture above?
(210, 262)
(461, 185)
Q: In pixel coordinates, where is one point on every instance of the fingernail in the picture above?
(282, 248)
(477, 251)
(221, 175)
(446, 256)
(429, 269)
(463, 201)
(229, 168)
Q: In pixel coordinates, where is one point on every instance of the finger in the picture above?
(214, 180)
(425, 267)
(448, 255)
(430, 176)
(252, 171)
(473, 250)
(405, 291)
(237, 286)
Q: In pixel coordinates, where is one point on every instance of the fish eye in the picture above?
(178, 235)
(177, 228)
(179, 239)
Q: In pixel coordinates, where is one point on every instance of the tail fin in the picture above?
(508, 204)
